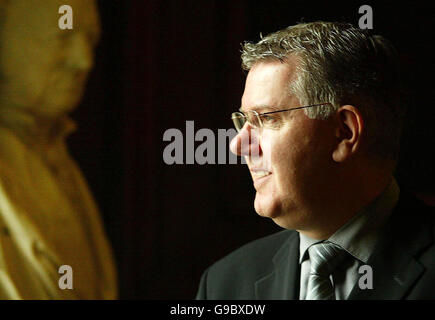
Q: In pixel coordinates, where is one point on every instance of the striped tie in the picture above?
(324, 257)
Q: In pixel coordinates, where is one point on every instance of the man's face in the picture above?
(43, 68)
(290, 169)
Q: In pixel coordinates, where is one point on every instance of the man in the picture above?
(48, 217)
(319, 126)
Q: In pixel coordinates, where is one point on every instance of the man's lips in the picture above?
(259, 173)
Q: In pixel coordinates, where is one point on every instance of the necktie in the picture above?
(324, 257)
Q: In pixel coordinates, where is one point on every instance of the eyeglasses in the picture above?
(258, 120)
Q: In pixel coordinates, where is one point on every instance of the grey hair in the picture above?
(341, 64)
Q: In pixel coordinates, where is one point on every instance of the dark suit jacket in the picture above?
(403, 262)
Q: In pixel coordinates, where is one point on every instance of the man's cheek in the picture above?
(268, 149)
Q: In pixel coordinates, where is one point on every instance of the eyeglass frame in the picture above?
(270, 112)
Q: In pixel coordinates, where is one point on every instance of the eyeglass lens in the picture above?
(239, 120)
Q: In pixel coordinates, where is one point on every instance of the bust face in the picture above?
(44, 69)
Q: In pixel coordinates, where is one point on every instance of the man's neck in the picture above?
(352, 200)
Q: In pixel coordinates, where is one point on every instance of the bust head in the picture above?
(43, 69)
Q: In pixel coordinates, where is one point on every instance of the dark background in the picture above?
(161, 63)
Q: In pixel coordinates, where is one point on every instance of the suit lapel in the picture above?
(283, 281)
(395, 269)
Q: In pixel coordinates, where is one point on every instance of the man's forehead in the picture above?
(267, 86)
(288, 64)
(260, 108)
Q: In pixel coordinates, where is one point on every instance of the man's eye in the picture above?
(267, 118)
(270, 121)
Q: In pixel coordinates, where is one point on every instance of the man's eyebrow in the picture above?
(261, 108)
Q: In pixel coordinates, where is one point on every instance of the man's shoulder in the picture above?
(257, 255)
(413, 210)
(234, 276)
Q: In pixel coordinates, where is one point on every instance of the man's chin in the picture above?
(277, 211)
(266, 207)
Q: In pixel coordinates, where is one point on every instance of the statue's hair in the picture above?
(341, 64)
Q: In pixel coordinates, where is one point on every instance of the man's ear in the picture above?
(350, 126)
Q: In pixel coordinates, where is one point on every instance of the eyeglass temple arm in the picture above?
(303, 107)
(270, 112)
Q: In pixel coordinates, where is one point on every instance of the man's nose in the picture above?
(246, 142)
